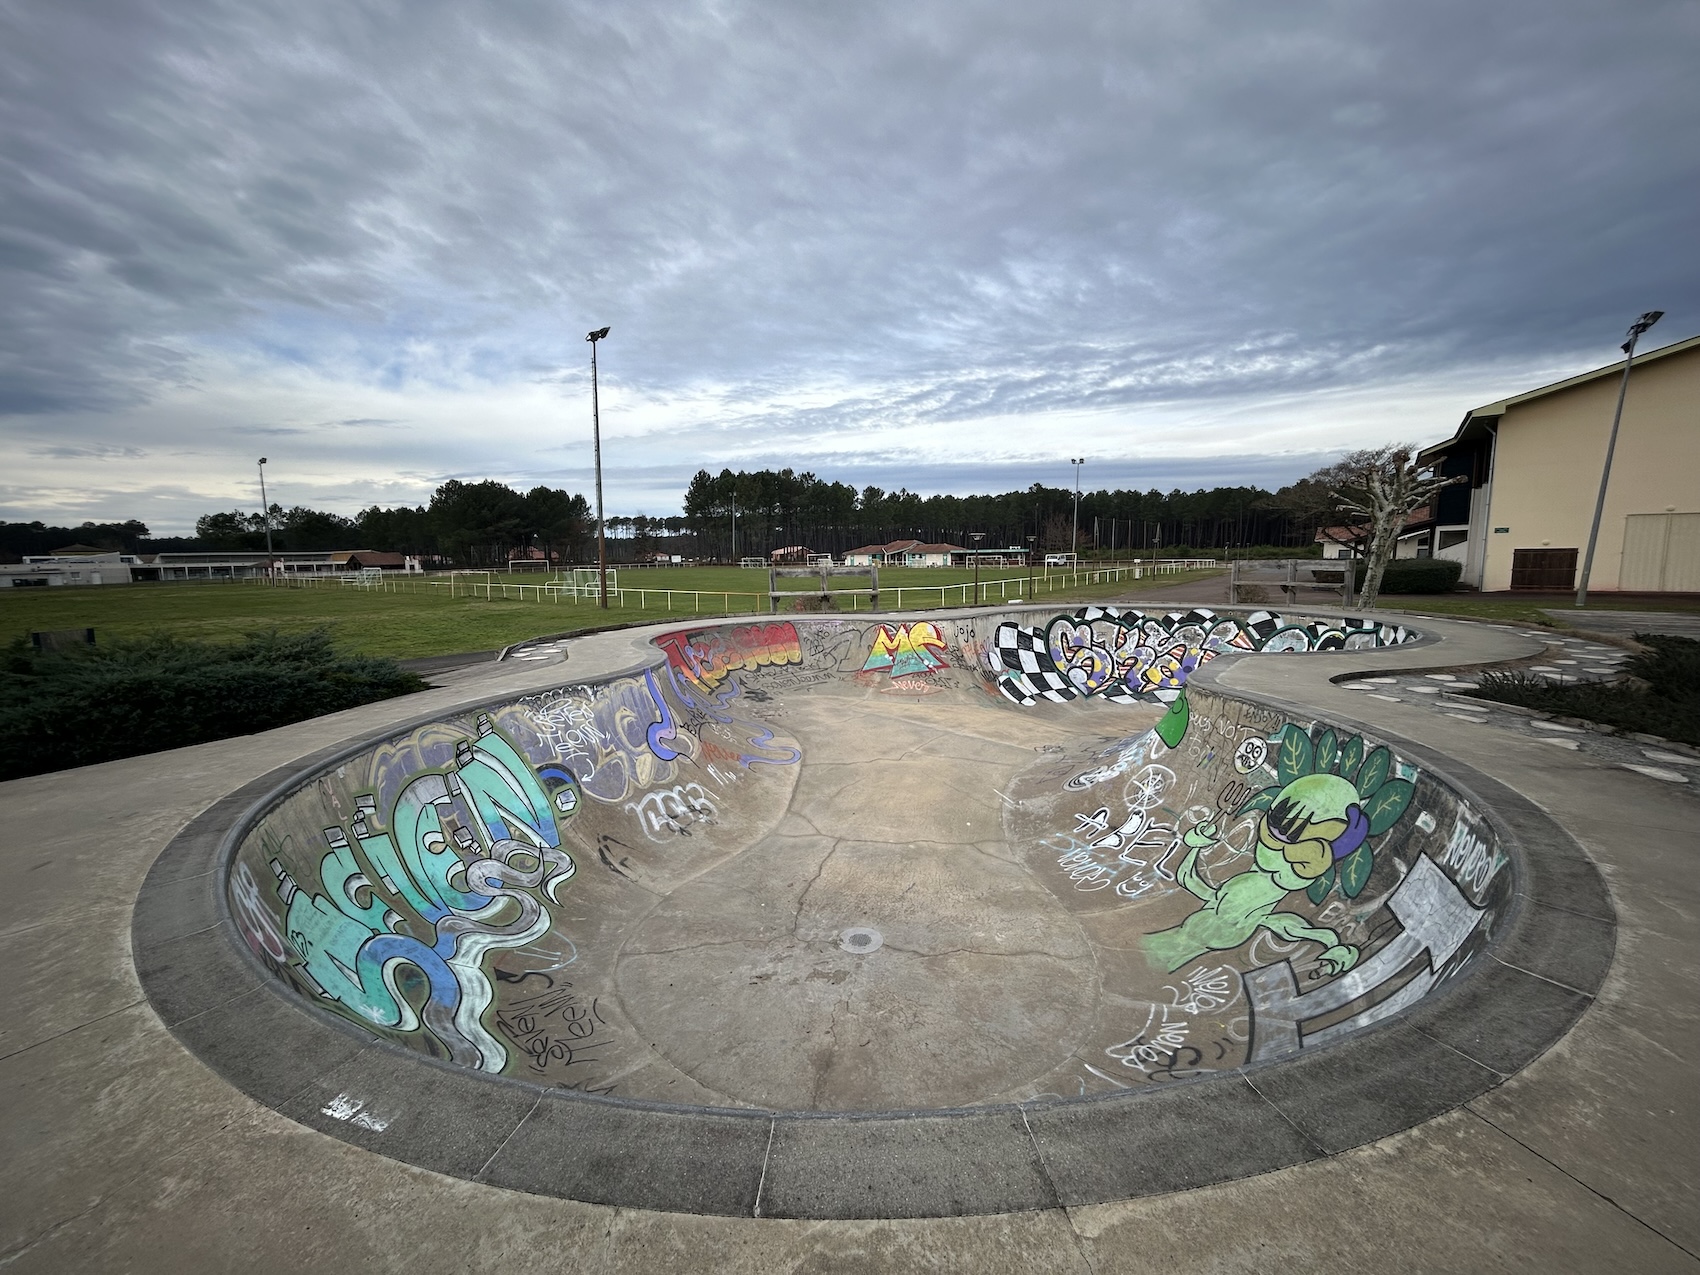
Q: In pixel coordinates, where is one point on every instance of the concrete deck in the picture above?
(122, 1151)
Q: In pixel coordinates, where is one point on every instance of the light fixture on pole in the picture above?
(266, 517)
(976, 537)
(596, 429)
(1635, 330)
(1031, 546)
(1074, 539)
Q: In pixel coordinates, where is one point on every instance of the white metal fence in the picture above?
(1003, 588)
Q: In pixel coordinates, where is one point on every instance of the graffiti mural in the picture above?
(1286, 883)
(1313, 834)
(1130, 657)
(614, 739)
(420, 887)
(1256, 886)
(462, 863)
(706, 657)
(902, 649)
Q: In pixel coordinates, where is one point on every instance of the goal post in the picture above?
(826, 597)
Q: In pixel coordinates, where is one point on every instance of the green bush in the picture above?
(1417, 575)
(1668, 705)
(76, 707)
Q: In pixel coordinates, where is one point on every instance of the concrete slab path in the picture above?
(120, 1151)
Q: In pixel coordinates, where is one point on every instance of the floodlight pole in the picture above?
(266, 517)
(1640, 325)
(976, 537)
(1074, 538)
(596, 430)
(1032, 543)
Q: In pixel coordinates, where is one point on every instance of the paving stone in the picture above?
(1656, 772)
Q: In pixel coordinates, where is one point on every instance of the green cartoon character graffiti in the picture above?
(1313, 835)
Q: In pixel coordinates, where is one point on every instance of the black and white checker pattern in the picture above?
(1029, 673)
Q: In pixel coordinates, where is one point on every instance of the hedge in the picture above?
(1416, 575)
(73, 708)
(1665, 701)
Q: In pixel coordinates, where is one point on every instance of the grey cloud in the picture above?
(949, 210)
(91, 452)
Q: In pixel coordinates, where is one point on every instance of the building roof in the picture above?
(1413, 521)
(1475, 419)
(79, 550)
(376, 558)
(896, 546)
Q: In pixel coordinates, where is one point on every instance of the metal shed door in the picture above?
(1661, 553)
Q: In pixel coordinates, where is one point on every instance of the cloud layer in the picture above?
(955, 241)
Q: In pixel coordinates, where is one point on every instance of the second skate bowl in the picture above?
(864, 870)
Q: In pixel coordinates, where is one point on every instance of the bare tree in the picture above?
(1377, 489)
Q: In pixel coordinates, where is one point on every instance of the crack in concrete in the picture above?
(692, 947)
(831, 1035)
(802, 897)
(980, 951)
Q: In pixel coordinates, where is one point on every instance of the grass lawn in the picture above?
(420, 618)
(1531, 609)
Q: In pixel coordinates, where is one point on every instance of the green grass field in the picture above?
(1531, 611)
(420, 617)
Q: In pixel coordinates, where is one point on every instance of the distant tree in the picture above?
(480, 522)
(398, 530)
(1059, 530)
(559, 519)
(237, 531)
(304, 529)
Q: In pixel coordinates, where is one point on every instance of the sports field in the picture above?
(414, 617)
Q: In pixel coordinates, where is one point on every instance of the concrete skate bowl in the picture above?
(886, 916)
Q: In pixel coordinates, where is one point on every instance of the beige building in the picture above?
(1533, 462)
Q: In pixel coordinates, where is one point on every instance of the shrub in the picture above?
(1416, 575)
(80, 706)
(1665, 703)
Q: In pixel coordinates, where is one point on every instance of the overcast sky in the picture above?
(941, 244)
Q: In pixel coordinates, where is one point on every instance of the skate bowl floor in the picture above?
(874, 918)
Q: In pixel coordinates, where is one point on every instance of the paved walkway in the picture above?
(120, 1151)
(1629, 623)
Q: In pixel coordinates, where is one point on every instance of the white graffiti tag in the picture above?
(1155, 1045)
(1469, 858)
(1205, 989)
(673, 810)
